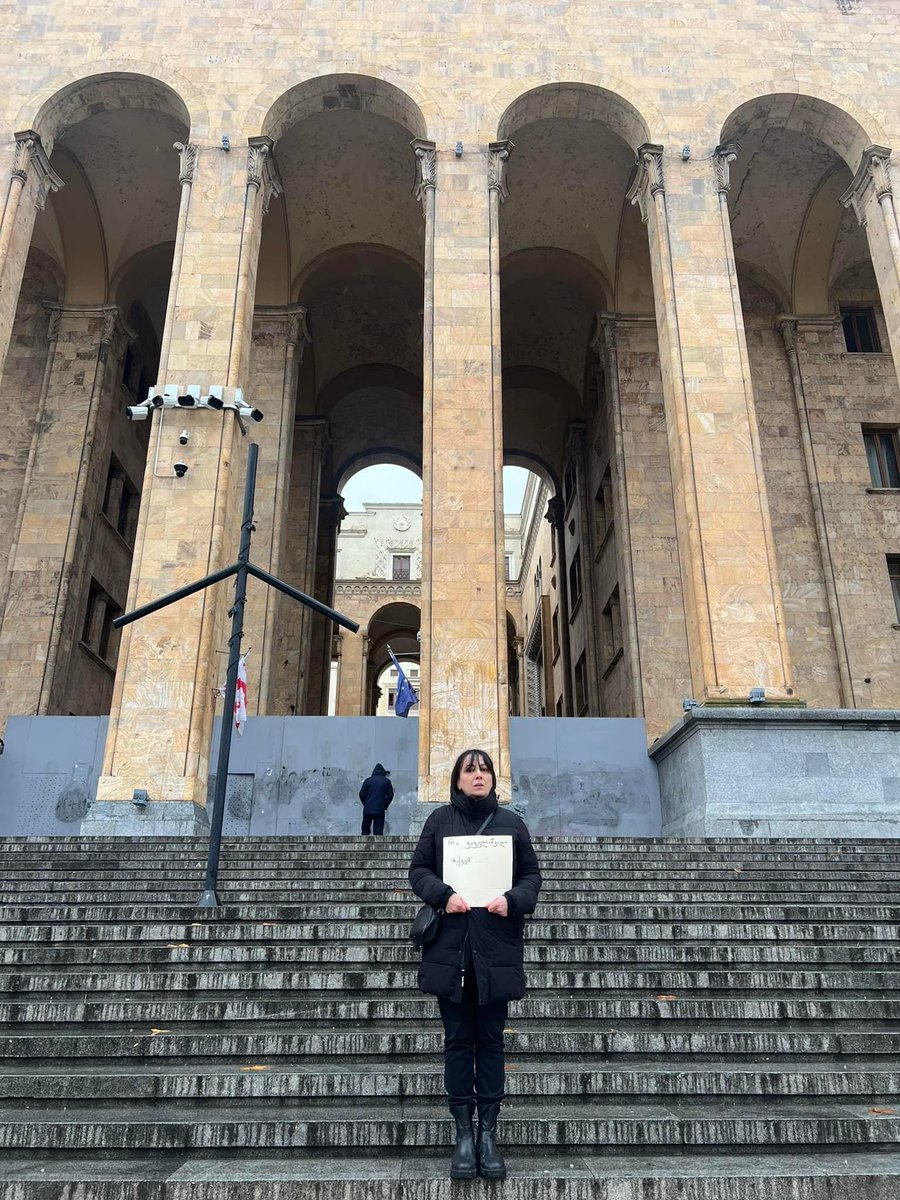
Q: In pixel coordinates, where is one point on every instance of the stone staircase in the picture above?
(707, 1020)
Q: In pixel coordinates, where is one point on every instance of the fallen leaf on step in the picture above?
(510, 1031)
(255, 1067)
(178, 945)
(667, 997)
(883, 1112)
(737, 870)
(156, 1032)
(510, 1067)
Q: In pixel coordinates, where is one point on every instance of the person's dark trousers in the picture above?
(473, 1047)
(373, 823)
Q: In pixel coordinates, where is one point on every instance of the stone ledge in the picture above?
(772, 717)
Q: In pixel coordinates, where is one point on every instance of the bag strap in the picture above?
(487, 820)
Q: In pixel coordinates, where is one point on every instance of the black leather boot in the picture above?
(463, 1164)
(490, 1160)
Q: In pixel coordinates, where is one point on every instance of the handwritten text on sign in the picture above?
(479, 868)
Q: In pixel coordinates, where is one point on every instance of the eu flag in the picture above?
(406, 696)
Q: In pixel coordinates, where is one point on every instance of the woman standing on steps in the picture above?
(474, 965)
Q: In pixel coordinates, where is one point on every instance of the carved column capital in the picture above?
(603, 341)
(649, 180)
(426, 167)
(787, 327)
(576, 434)
(31, 155)
(332, 511)
(187, 161)
(498, 157)
(316, 431)
(723, 157)
(873, 175)
(556, 512)
(262, 172)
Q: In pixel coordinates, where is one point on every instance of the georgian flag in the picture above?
(240, 695)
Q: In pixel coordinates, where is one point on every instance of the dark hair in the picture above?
(466, 759)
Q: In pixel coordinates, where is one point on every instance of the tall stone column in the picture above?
(464, 685)
(30, 179)
(320, 629)
(47, 559)
(736, 633)
(280, 336)
(871, 196)
(163, 701)
(293, 622)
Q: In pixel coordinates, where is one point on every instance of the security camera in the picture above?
(137, 412)
(180, 469)
(183, 437)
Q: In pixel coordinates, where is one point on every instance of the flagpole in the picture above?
(241, 569)
(209, 899)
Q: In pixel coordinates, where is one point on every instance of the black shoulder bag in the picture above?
(428, 919)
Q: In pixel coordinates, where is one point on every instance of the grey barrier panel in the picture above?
(48, 773)
(589, 775)
(301, 775)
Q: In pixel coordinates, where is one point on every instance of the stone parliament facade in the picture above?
(451, 237)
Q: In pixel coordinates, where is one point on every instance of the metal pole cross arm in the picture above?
(240, 569)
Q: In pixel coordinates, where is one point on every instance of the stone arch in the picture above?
(815, 246)
(108, 90)
(343, 90)
(534, 463)
(843, 127)
(591, 97)
(346, 262)
(375, 457)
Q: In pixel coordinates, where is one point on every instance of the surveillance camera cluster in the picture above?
(174, 396)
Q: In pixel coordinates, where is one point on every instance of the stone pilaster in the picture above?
(321, 630)
(163, 706)
(29, 180)
(556, 518)
(736, 634)
(871, 196)
(293, 623)
(791, 330)
(280, 337)
(464, 673)
(58, 503)
(605, 346)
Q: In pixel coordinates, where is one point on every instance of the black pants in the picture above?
(473, 1046)
(373, 819)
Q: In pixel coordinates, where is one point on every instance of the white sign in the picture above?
(479, 868)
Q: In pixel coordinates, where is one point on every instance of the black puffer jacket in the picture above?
(376, 793)
(492, 945)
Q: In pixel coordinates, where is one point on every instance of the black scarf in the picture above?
(476, 808)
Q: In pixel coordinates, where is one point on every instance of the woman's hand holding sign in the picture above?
(456, 904)
(499, 907)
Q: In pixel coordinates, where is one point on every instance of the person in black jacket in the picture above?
(376, 795)
(474, 965)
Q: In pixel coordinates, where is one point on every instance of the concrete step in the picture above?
(659, 955)
(685, 1173)
(263, 1040)
(594, 1123)
(176, 926)
(360, 1079)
